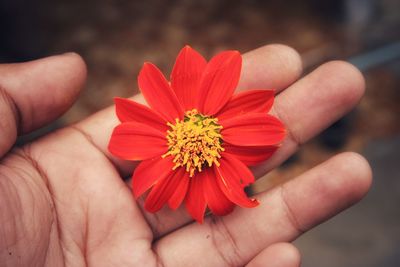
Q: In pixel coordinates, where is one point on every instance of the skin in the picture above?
(63, 202)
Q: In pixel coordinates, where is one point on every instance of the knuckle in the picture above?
(224, 242)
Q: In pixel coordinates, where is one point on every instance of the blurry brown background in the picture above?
(116, 37)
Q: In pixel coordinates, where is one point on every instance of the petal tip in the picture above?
(136, 194)
(200, 220)
(256, 202)
(234, 53)
(147, 64)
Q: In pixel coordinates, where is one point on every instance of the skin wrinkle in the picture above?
(7, 192)
(29, 184)
(12, 105)
(289, 211)
(219, 231)
(156, 220)
(275, 111)
(93, 247)
(87, 136)
(151, 218)
(86, 237)
(163, 229)
(28, 123)
(159, 261)
(10, 126)
(36, 237)
(67, 241)
(89, 140)
(64, 244)
(53, 227)
(25, 152)
(83, 248)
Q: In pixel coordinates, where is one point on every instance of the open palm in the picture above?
(63, 202)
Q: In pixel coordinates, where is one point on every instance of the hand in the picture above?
(63, 202)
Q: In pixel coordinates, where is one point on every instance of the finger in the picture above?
(285, 212)
(271, 66)
(37, 92)
(277, 255)
(312, 104)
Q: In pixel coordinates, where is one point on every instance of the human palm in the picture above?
(63, 201)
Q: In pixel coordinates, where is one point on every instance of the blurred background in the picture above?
(116, 37)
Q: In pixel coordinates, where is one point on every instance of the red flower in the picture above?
(197, 139)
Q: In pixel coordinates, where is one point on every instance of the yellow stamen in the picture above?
(194, 142)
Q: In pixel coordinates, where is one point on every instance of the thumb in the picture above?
(35, 93)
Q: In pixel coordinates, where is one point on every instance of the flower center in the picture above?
(194, 141)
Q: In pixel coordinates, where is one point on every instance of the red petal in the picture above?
(128, 110)
(242, 173)
(259, 101)
(232, 179)
(137, 141)
(254, 129)
(250, 155)
(195, 201)
(218, 203)
(185, 76)
(163, 190)
(158, 93)
(148, 172)
(219, 80)
(180, 192)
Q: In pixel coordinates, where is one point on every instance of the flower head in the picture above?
(194, 142)
(197, 138)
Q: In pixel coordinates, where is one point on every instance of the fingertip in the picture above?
(274, 66)
(277, 255)
(43, 89)
(350, 78)
(58, 80)
(358, 172)
(75, 60)
(327, 189)
(345, 177)
(71, 67)
(294, 255)
(288, 254)
(291, 58)
(9, 117)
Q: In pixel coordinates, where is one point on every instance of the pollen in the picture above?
(194, 142)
